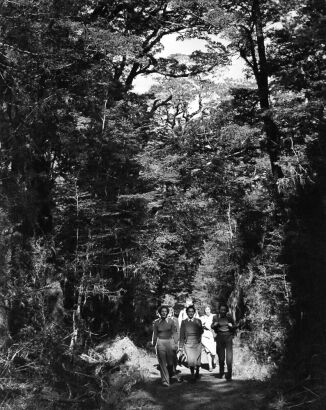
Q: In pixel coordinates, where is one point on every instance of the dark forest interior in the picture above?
(115, 201)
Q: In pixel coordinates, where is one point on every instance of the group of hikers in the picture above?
(188, 338)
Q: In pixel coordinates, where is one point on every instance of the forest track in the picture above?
(208, 393)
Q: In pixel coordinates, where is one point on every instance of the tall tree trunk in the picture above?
(261, 74)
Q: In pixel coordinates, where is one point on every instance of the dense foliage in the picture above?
(113, 202)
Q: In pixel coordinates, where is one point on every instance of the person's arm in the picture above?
(176, 322)
(200, 325)
(175, 331)
(203, 321)
(182, 335)
(215, 325)
(231, 324)
(154, 337)
(180, 317)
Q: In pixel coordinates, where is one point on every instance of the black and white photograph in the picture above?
(162, 204)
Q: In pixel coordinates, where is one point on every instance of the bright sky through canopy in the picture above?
(173, 46)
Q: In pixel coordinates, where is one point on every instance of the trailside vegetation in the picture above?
(113, 202)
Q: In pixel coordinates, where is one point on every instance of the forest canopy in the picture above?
(113, 201)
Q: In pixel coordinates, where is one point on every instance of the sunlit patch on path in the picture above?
(209, 393)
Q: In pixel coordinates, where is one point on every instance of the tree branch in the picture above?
(182, 75)
(19, 50)
(157, 104)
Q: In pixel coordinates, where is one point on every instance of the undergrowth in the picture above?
(42, 373)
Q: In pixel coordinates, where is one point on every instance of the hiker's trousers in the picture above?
(164, 353)
(224, 348)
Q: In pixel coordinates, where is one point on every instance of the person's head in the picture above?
(190, 310)
(207, 310)
(163, 311)
(188, 302)
(171, 312)
(223, 309)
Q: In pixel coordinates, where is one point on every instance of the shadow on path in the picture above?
(208, 393)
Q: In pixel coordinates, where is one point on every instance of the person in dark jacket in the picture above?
(190, 341)
(164, 329)
(224, 327)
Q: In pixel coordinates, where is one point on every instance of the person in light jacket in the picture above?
(183, 313)
(190, 341)
(207, 340)
(164, 329)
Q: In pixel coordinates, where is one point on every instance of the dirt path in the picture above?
(208, 393)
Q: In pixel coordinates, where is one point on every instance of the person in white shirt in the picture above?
(183, 314)
(207, 340)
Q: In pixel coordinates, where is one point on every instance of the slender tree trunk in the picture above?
(4, 326)
(261, 74)
(77, 311)
(230, 222)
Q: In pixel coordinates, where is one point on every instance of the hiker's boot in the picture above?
(170, 370)
(179, 378)
(210, 367)
(221, 373)
(193, 376)
(228, 375)
(197, 375)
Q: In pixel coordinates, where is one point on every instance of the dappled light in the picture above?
(163, 201)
